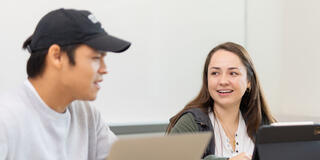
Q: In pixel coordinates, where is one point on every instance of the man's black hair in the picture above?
(36, 61)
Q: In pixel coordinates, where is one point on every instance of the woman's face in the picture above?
(227, 79)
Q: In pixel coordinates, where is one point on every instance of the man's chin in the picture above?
(92, 99)
(89, 98)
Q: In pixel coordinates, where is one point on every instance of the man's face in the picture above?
(81, 81)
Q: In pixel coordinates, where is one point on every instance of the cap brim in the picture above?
(108, 43)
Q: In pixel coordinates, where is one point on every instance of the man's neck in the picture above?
(51, 93)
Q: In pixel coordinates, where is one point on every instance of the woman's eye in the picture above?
(234, 73)
(214, 73)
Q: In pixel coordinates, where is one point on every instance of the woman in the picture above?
(230, 104)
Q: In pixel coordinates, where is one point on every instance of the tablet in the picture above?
(293, 141)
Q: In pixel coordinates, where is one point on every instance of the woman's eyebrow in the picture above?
(218, 68)
(234, 68)
(230, 68)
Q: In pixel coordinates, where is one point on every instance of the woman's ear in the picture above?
(249, 86)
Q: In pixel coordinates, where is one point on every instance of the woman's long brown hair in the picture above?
(253, 105)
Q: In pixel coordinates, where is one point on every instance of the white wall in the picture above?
(264, 44)
(159, 74)
(162, 70)
(301, 55)
(283, 38)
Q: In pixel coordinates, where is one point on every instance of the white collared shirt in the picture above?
(223, 148)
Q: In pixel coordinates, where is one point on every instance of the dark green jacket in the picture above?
(189, 123)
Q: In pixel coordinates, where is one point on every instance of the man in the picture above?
(48, 117)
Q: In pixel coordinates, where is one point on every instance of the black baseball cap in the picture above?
(68, 27)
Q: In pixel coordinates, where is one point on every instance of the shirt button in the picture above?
(237, 151)
(237, 143)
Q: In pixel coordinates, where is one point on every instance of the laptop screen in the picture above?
(170, 147)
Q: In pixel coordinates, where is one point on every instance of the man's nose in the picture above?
(103, 68)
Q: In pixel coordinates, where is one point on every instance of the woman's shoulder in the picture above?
(185, 123)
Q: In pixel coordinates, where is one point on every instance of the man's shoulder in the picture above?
(7, 96)
(80, 106)
(13, 110)
(11, 96)
(11, 100)
(83, 110)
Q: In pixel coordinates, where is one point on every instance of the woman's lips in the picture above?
(224, 92)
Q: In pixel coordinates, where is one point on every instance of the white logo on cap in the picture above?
(93, 18)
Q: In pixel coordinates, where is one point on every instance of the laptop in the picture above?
(170, 147)
(294, 141)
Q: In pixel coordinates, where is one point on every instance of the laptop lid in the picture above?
(170, 147)
(292, 142)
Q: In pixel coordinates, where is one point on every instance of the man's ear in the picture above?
(54, 56)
